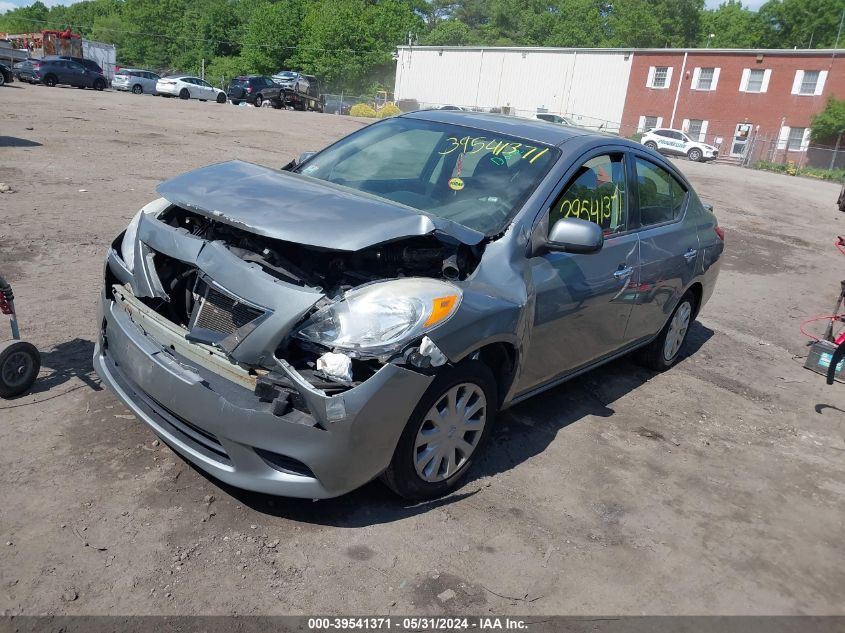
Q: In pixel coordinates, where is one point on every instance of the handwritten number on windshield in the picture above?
(497, 147)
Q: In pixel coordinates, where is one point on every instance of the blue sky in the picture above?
(5, 5)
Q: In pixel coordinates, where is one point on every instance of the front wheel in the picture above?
(221, 98)
(694, 154)
(49, 81)
(446, 431)
(184, 94)
(2, 79)
(99, 84)
(663, 351)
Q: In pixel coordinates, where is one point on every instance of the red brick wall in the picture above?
(726, 106)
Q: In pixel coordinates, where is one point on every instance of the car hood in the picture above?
(296, 208)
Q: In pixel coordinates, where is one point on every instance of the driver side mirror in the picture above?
(573, 235)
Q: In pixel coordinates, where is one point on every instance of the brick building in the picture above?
(755, 104)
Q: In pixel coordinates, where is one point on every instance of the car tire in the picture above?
(19, 366)
(184, 94)
(663, 352)
(99, 84)
(50, 81)
(2, 79)
(221, 98)
(138, 89)
(259, 101)
(695, 155)
(409, 475)
(277, 105)
(651, 145)
(236, 102)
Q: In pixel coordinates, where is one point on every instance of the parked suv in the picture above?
(255, 89)
(668, 141)
(291, 80)
(138, 81)
(52, 71)
(90, 64)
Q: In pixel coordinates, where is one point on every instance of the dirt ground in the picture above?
(716, 487)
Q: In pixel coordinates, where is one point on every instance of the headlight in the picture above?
(381, 317)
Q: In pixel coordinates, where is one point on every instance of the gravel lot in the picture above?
(716, 487)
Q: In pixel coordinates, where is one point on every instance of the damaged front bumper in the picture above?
(220, 425)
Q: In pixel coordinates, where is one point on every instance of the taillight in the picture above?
(720, 232)
(249, 88)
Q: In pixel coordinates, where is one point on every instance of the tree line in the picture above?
(350, 43)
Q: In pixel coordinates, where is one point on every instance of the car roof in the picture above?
(533, 129)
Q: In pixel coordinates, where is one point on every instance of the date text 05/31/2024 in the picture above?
(417, 623)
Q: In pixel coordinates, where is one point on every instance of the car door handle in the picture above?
(622, 273)
(690, 254)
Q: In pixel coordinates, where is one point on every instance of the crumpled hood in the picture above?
(300, 209)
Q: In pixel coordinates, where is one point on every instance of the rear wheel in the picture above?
(2, 79)
(50, 81)
(184, 94)
(651, 145)
(236, 102)
(663, 351)
(446, 431)
(694, 154)
(138, 89)
(99, 84)
(259, 101)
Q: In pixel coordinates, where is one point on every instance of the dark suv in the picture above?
(255, 89)
(52, 71)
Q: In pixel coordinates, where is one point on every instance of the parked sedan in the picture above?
(137, 80)
(370, 309)
(187, 87)
(291, 80)
(52, 71)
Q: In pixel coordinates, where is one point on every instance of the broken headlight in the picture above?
(127, 244)
(380, 318)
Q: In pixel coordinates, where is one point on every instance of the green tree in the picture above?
(271, 35)
(732, 26)
(449, 33)
(828, 124)
(801, 23)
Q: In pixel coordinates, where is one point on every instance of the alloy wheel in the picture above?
(450, 432)
(677, 331)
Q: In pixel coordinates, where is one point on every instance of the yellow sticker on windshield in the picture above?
(456, 184)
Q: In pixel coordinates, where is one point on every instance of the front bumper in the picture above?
(217, 423)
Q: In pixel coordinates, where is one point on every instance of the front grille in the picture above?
(223, 314)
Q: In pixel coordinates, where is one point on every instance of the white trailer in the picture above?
(588, 86)
(104, 54)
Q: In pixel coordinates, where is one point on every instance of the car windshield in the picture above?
(286, 75)
(474, 177)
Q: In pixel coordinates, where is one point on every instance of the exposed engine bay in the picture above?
(334, 271)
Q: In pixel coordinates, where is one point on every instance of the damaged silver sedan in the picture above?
(367, 311)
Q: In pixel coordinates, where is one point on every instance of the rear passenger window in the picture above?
(661, 197)
(596, 193)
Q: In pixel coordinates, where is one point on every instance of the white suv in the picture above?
(667, 141)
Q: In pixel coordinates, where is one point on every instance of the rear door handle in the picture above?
(622, 273)
(690, 254)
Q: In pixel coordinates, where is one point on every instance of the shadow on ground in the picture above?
(521, 433)
(14, 141)
(65, 362)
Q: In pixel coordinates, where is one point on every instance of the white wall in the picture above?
(104, 54)
(588, 86)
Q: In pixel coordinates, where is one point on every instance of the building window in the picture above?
(809, 82)
(755, 80)
(649, 123)
(795, 140)
(660, 73)
(695, 131)
(705, 78)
